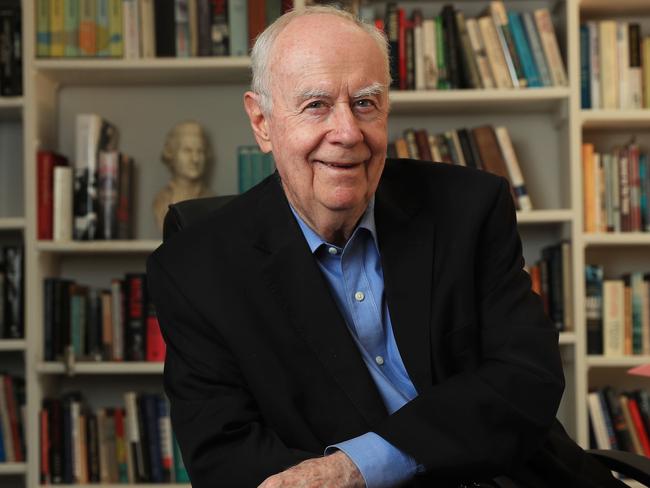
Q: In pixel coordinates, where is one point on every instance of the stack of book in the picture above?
(11, 49)
(618, 313)
(129, 444)
(614, 65)
(253, 166)
(616, 189)
(12, 292)
(500, 49)
(93, 200)
(133, 29)
(620, 421)
(551, 280)
(114, 324)
(12, 413)
(487, 148)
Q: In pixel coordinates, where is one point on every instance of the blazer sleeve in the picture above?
(492, 416)
(220, 432)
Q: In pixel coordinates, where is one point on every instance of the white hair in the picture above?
(262, 50)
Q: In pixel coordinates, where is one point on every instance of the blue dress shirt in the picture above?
(355, 276)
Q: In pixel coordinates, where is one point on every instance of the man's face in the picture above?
(189, 156)
(328, 124)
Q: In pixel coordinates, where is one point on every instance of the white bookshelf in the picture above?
(546, 125)
(12, 469)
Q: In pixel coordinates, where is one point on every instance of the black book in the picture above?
(92, 447)
(452, 47)
(13, 292)
(220, 33)
(594, 308)
(553, 256)
(153, 435)
(11, 69)
(135, 315)
(54, 409)
(204, 15)
(144, 438)
(94, 345)
(621, 431)
(466, 146)
(165, 27)
(49, 307)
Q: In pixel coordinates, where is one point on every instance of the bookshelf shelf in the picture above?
(12, 345)
(108, 368)
(12, 468)
(94, 247)
(513, 100)
(616, 362)
(615, 119)
(12, 223)
(618, 239)
(545, 216)
(154, 71)
(11, 108)
(567, 338)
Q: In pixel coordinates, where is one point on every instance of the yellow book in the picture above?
(588, 187)
(608, 63)
(116, 44)
(645, 63)
(57, 28)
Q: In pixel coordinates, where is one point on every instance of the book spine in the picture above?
(495, 55)
(45, 446)
(470, 68)
(635, 71)
(115, 29)
(155, 342)
(147, 29)
(87, 28)
(523, 50)
(108, 194)
(43, 35)
(44, 185)
(429, 52)
(117, 302)
(452, 49)
(193, 24)
(71, 28)
(102, 36)
(57, 28)
(550, 47)
(500, 19)
(125, 198)
(166, 447)
(594, 64)
(623, 59)
(120, 446)
(585, 68)
(514, 170)
(152, 423)
(536, 48)
(204, 26)
(14, 292)
(135, 317)
(62, 203)
(219, 33)
(608, 64)
(238, 27)
(594, 308)
(391, 26)
(131, 29)
(613, 318)
(418, 50)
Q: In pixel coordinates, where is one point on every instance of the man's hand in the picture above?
(334, 471)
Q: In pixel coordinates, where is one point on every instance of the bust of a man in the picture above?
(186, 153)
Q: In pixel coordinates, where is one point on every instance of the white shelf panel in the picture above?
(616, 239)
(504, 100)
(567, 338)
(617, 362)
(107, 247)
(109, 368)
(153, 71)
(11, 108)
(12, 223)
(615, 119)
(544, 216)
(12, 345)
(13, 468)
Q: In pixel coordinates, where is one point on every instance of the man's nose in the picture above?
(345, 127)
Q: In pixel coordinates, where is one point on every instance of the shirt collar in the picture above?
(315, 241)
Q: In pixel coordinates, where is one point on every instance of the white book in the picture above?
(131, 29)
(418, 55)
(482, 62)
(608, 64)
(494, 52)
(594, 64)
(433, 147)
(550, 47)
(623, 46)
(613, 318)
(430, 55)
(598, 421)
(62, 199)
(514, 170)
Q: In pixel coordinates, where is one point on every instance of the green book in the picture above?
(71, 28)
(115, 36)
(78, 323)
(180, 472)
(43, 28)
(103, 36)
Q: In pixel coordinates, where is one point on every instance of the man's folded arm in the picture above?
(489, 417)
(219, 429)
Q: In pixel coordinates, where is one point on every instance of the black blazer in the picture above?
(261, 370)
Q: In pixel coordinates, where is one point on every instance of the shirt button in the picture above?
(379, 360)
(333, 251)
(359, 296)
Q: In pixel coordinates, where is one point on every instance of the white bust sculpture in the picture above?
(186, 153)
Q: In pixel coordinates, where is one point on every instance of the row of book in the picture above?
(616, 189)
(12, 419)
(253, 166)
(617, 312)
(133, 443)
(91, 199)
(619, 420)
(11, 49)
(500, 49)
(113, 324)
(147, 28)
(488, 148)
(551, 280)
(614, 65)
(12, 292)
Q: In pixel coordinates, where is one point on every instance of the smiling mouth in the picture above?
(338, 165)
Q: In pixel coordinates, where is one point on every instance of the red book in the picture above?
(45, 448)
(45, 163)
(402, 23)
(155, 342)
(256, 20)
(638, 424)
(12, 410)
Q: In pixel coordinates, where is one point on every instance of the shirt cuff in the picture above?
(381, 464)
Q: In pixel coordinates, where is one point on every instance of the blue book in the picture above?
(536, 48)
(644, 178)
(585, 67)
(523, 50)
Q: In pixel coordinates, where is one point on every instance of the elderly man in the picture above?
(353, 321)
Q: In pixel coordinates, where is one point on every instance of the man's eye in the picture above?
(316, 104)
(364, 103)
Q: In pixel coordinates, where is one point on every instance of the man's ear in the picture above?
(259, 121)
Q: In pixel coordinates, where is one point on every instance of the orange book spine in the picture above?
(588, 187)
(638, 425)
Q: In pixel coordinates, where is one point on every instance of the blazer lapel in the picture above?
(406, 242)
(294, 277)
